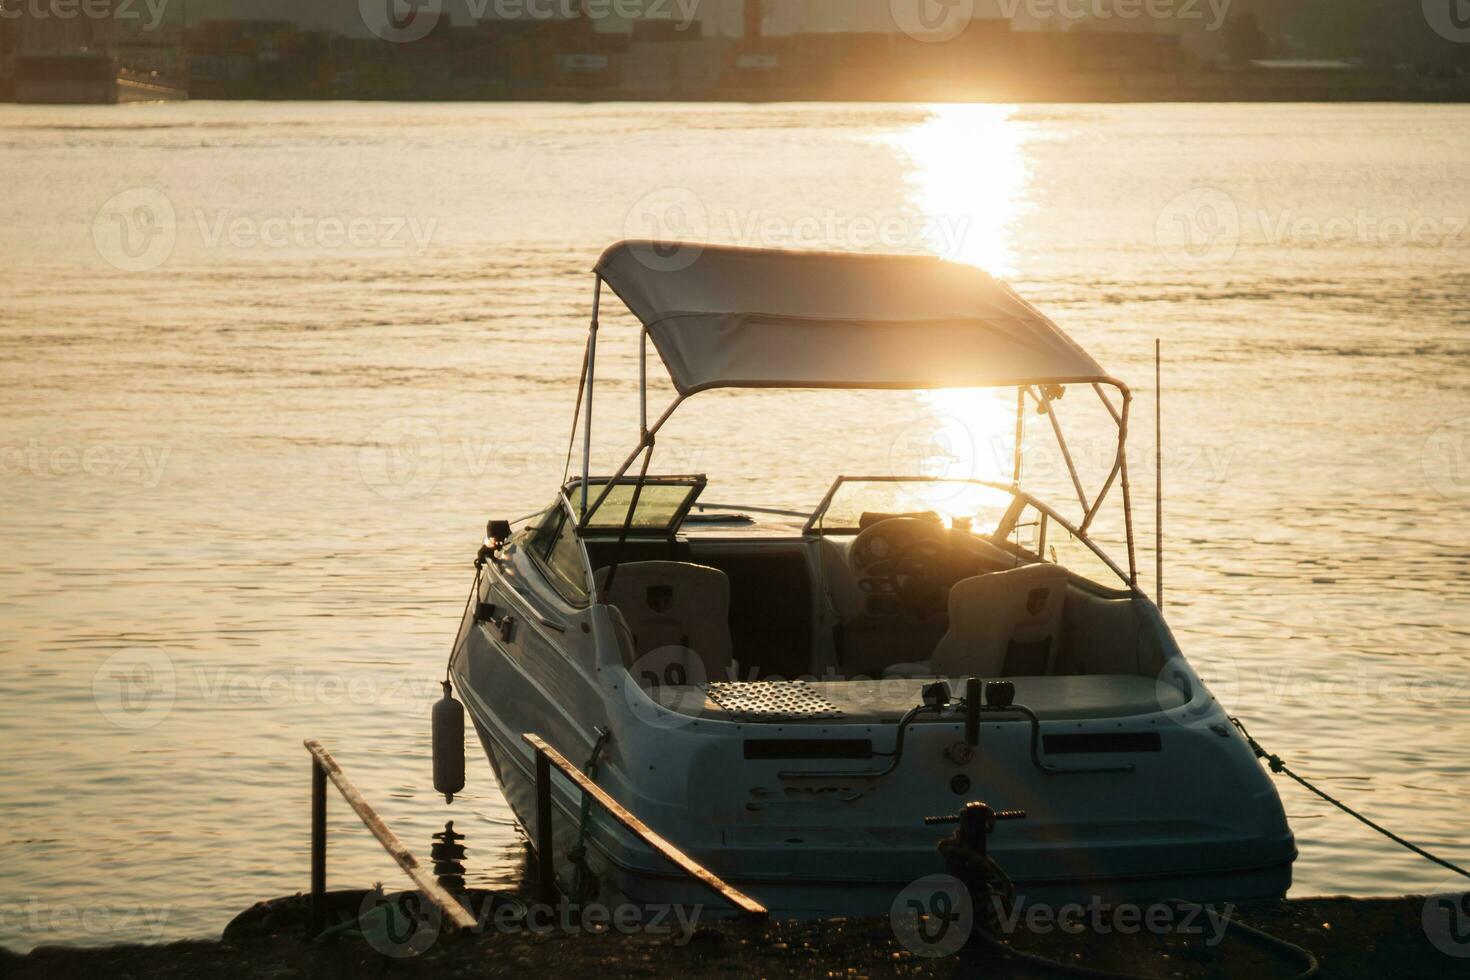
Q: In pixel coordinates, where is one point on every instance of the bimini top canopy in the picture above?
(751, 318)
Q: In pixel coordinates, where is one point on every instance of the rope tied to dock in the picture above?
(1278, 766)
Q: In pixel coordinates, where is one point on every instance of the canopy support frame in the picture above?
(647, 434)
(591, 375)
(1048, 407)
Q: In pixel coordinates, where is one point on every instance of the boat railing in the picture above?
(548, 758)
(323, 768)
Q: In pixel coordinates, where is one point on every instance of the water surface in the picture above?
(266, 369)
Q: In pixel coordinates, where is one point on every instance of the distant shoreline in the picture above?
(1155, 98)
(1304, 84)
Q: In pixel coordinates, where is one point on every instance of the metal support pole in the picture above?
(1050, 408)
(643, 382)
(1127, 489)
(632, 457)
(972, 712)
(591, 379)
(1020, 434)
(325, 768)
(546, 757)
(545, 872)
(318, 847)
(1159, 471)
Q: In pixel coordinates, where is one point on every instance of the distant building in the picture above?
(107, 51)
(7, 56)
(665, 61)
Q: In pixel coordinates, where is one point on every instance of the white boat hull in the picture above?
(1196, 820)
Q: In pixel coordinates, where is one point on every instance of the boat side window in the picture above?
(554, 544)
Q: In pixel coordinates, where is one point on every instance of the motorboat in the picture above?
(787, 693)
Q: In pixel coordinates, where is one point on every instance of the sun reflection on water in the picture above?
(968, 180)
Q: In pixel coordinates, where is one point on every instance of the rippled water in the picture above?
(266, 369)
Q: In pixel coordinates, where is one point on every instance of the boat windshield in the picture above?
(662, 503)
(958, 503)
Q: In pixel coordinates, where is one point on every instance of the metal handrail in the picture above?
(323, 768)
(546, 757)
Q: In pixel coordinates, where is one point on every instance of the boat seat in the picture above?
(1001, 624)
(676, 609)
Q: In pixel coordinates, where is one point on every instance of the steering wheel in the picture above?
(916, 556)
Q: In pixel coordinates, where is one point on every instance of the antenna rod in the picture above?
(1020, 435)
(1159, 471)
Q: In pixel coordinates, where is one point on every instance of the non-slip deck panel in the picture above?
(771, 701)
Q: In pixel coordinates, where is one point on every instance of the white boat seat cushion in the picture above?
(677, 610)
(1002, 624)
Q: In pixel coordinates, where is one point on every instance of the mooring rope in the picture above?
(469, 603)
(584, 882)
(1274, 761)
